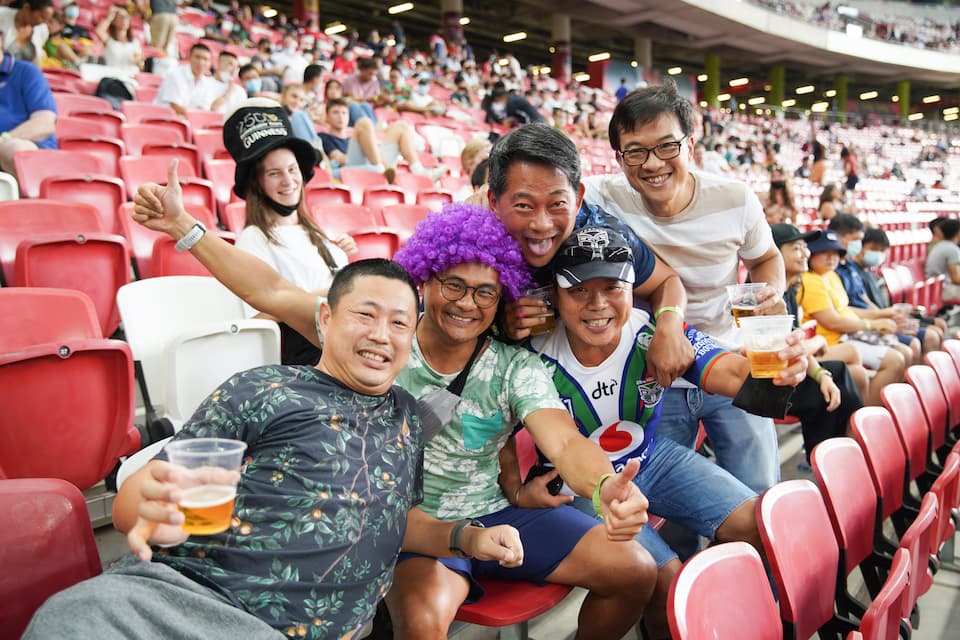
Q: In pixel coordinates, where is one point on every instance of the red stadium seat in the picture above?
(790, 515)
(336, 219)
(45, 315)
(414, 182)
(234, 216)
(945, 487)
(135, 136)
(97, 264)
(375, 244)
(934, 406)
(205, 120)
(220, 172)
(944, 366)
(137, 111)
(167, 261)
(69, 103)
(882, 619)
(747, 607)
(323, 194)
(210, 144)
(33, 166)
(844, 479)
(404, 216)
(173, 123)
(68, 411)
(140, 239)
(916, 540)
(186, 153)
(104, 192)
(361, 178)
(107, 149)
(70, 127)
(24, 219)
(135, 170)
(112, 121)
(904, 405)
(46, 545)
(435, 200)
(376, 198)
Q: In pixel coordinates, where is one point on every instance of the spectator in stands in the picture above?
(832, 202)
(479, 265)
(943, 258)
(163, 26)
(778, 206)
(344, 409)
(851, 169)
(803, 171)
(823, 298)
(333, 90)
(279, 230)
(190, 86)
(850, 234)
(261, 60)
(511, 110)
(120, 50)
(313, 91)
(622, 90)
(363, 88)
(702, 226)
(420, 100)
(875, 247)
(480, 175)
(226, 75)
(709, 161)
(72, 30)
(473, 153)
(344, 61)
(253, 83)
(830, 393)
(461, 93)
(819, 168)
(25, 29)
(592, 273)
(28, 113)
(58, 49)
(360, 148)
(288, 62)
(919, 191)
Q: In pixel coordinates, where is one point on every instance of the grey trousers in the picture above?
(137, 599)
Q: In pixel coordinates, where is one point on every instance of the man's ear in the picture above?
(324, 313)
(582, 190)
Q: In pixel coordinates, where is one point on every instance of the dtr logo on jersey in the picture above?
(618, 439)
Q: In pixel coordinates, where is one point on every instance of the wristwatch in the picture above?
(191, 238)
(455, 536)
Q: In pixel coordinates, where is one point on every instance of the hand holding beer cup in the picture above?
(763, 338)
(206, 472)
(744, 299)
(547, 316)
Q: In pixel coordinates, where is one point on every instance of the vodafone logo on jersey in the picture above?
(619, 438)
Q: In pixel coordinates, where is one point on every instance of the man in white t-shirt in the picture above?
(25, 29)
(702, 225)
(190, 86)
(231, 93)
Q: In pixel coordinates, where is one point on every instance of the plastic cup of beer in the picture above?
(744, 299)
(545, 295)
(763, 338)
(208, 481)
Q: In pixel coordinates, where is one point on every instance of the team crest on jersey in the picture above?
(650, 391)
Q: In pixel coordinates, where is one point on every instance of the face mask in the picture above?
(253, 86)
(778, 184)
(423, 89)
(874, 258)
(854, 247)
(498, 108)
(223, 76)
(72, 12)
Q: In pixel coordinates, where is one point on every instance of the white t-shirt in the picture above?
(180, 87)
(293, 256)
(121, 55)
(703, 243)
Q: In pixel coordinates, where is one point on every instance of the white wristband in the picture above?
(191, 238)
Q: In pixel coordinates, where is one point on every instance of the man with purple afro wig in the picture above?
(464, 233)
(465, 263)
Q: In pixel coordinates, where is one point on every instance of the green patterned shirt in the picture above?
(461, 463)
(322, 503)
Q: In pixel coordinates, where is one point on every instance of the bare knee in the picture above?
(424, 599)
(741, 525)
(894, 363)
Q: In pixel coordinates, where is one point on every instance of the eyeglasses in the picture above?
(454, 289)
(638, 155)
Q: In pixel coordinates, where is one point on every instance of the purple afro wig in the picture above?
(459, 234)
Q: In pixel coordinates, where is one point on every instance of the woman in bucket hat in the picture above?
(272, 168)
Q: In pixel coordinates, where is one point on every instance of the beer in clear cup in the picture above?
(549, 322)
(744, 299)
(208, 476)
(763, 338)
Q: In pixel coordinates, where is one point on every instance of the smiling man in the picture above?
(701, 225)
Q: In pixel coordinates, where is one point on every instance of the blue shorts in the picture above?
(686, 488)
(548, 536)
(906, 340)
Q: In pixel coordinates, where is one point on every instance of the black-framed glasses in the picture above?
(636, 156)
(454, 289)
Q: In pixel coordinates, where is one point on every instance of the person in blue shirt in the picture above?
(28, 113)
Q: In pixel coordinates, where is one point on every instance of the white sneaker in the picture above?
(434, 174)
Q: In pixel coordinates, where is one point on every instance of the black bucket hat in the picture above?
(255, 128)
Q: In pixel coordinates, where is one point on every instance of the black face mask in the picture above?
(282, 210)
(778, 184)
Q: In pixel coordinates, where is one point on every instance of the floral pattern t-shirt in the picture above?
(462, 463)
(322, 504)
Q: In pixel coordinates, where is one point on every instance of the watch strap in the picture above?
(457, 532)
(191, 237)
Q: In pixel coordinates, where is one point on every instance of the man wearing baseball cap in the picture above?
(598, 358)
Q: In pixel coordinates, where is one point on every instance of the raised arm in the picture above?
(255, 282)
(670, 352)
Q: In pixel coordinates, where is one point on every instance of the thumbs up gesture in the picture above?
(160, 207)
(624, 506)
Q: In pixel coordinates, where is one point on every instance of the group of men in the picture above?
(311, 553)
